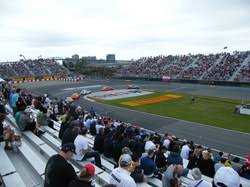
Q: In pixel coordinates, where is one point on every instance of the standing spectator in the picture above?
(121, 175)
(172, 172)
(198, 182)
(85, 177)
(58, 171)
(14, 99)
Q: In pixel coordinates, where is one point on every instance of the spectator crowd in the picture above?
(138, 154)
(31, 68)
(222, 67)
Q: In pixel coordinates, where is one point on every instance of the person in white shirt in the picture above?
(198, 182)
(185, 151)
(83, 151)
(121, 175)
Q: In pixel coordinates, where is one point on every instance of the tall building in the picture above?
(110, 58)
(75, 57)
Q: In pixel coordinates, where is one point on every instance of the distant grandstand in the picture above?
(29, 69)
(212, 67)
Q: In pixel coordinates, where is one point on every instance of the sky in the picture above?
(128, 28)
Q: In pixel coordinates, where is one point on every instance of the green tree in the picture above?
(80, 66)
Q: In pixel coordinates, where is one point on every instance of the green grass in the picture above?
(212, 111)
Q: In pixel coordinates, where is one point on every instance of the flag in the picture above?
(225, 47)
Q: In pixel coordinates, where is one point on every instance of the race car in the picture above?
(75, 96)
(85, 92)
(133, 86)
(106, 88)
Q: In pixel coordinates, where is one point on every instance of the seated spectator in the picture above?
(58, 171)
(206, 164)
(174, 156)
(218, 157)
(194, 157)
(85, 177)
(108, 146)
(42, 118)
(83, 151)
(166, 142)
(196, 174)
(236, 164)
(6, 134)
(185, 151)
(173, 172)
(149, 145)
(26, 122)
(226, 177)
(117, 147)
(121, 175)
(160, 159)
(245, 170)
(99, 139)
(138, 175)
(70, 134)
(148, 164)
(219, 164)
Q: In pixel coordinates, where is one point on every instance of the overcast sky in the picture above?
(127, 28)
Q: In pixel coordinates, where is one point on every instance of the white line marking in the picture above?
(82, 87)
(190, 122)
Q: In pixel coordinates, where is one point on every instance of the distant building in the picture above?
(110, 58)
(89, 59)
(75, 57)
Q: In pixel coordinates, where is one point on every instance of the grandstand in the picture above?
(213, 67)
(32, 68)
(35, 151)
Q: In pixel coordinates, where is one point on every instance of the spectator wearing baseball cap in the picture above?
(85, 177)
(58, 171)
(226, 177)
(121, 175)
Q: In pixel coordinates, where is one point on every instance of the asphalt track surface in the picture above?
(221, 139)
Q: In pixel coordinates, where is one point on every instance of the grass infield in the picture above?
(213, 111)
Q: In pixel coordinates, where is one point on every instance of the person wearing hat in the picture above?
(85, 177)
(26, 122)
(226, 177)
(58, 171)
(6, 134)
(121, 175)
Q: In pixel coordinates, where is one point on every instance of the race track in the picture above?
(229, 141)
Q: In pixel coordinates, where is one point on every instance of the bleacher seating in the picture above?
(215, 67)
(32, 68)
(37, 150)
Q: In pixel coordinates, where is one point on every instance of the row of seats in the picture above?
(49, 144)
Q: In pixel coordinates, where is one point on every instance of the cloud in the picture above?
(131, 28)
